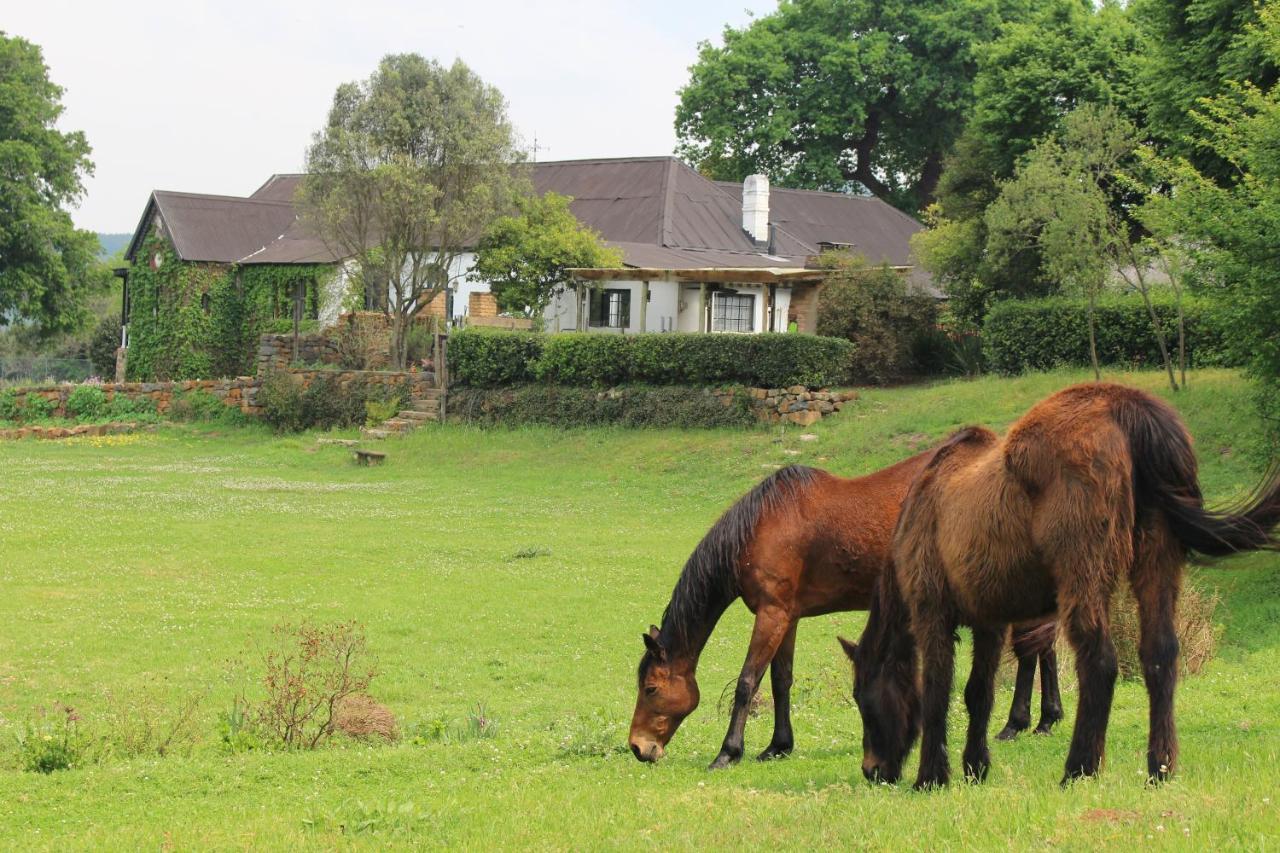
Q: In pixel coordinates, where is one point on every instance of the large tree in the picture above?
(839, 94)
(413, 165)
(523, 257)
(1038, 70)
(47, 266)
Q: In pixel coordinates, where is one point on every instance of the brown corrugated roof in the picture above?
(657, 210)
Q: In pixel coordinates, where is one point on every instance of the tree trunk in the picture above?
(1159, 332)
(399, 339)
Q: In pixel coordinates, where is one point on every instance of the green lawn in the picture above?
(132, 569)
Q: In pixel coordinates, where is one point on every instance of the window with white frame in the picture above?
(733, 312)
(611, 308)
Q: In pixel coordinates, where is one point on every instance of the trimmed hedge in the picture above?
(492, 359)
(1041, 334)
(567, 406)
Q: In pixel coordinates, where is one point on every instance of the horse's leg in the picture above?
(1155, 579)
(937, 651)
(780, 680)
(772, 626)
(1088, 629)
(979, 696)
(1050, 697)
(1020, 710)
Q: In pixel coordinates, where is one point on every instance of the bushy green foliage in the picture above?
(1041, 334)
(103, 345)
(198, 405)
(9, 408)
(86, 402)
(51, 745)
(37, 408)
(123, 407)
(876, 310)
(632, 406)
(486, 359)
(324, 404)
(490, 358)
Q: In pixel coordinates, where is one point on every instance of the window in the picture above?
(733, 312)
(611, 309)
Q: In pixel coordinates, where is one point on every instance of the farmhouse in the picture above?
(698, 255)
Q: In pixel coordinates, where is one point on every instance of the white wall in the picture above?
(660, 314)
(336, 292)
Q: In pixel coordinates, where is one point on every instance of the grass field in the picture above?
(132, 569)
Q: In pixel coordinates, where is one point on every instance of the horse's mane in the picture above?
(710, 576)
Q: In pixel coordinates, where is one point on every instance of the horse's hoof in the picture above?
(1076, 772)
(722, 761)
(1009, 733)
(976, 770)
(771, 752)
(1044, 729)
(931, 783)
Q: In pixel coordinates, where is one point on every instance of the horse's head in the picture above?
(888, 700)
(668, 694)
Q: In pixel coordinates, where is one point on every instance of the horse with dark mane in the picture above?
(801, 543)
(1096, 482)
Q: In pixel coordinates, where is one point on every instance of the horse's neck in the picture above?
(888, 624)
(687, 646)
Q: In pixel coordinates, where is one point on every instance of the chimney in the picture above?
(755, 208)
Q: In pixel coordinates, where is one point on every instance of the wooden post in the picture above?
(702, 307)
(577, 311)
(644, 306)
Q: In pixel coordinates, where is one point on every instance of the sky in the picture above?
(216, 96)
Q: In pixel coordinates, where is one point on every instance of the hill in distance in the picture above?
(112, 243)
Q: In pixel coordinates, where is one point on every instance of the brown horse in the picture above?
(1095, 482)
(801, 543)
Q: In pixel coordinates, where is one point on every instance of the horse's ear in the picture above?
(651, 643)
(850, 648)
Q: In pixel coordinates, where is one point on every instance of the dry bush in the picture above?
(309, 671)
(1198, 634)
(361, 717)
(363, 339)
(139, 724)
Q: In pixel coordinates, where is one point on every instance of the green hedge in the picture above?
(493, 359)
(1041, 334)
(568, 406)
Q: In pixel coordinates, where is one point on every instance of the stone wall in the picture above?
(796, 404)
(275, 352)
(241, 392)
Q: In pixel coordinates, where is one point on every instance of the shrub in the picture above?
(327, 404)
(37, 408)
(1041, 334)
(56, 745)
(103, 345)
(377, 411)
(633, 406)
(280, 397)
(308, 671)
(363, 341)
(196, 405)
(86, 402)
(487, 359)
(9, 408)
(877, 311)
(121, 406)
(140, 724)
(361, 717)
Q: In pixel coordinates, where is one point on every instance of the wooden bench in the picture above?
(370, 457)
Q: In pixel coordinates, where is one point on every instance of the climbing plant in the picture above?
(197, 320)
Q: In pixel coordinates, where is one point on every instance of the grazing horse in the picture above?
(1096, 482)
(801, 543)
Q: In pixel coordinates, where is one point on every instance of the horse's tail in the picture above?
(1165, 477)
(1036, 639)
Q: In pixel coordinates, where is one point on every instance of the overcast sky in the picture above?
(216, 96)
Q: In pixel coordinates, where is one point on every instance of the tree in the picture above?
(47, 266)
(413, 164)
(1229, 227)
(1194, 49)
(524, 257)
(1038, 70)
(834, 94)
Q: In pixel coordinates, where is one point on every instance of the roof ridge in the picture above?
(583, 161)
(237, 198)
(668, 203)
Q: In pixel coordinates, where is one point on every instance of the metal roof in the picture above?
(657, 210)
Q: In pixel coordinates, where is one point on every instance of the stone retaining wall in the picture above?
(275, 352)
(240, 392)
(797, 404)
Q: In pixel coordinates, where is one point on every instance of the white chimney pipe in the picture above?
(755, 207)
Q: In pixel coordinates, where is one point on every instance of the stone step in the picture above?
(429, 394)
(419, 416)
(374, 434)
(419, 405)
(398, 425)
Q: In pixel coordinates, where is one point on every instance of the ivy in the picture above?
(200, 320)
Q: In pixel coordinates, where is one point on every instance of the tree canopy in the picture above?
(47, 266)
(840, 94)
(523, 257)
(411, 166)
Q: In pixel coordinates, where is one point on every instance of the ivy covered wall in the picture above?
(202, 320)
